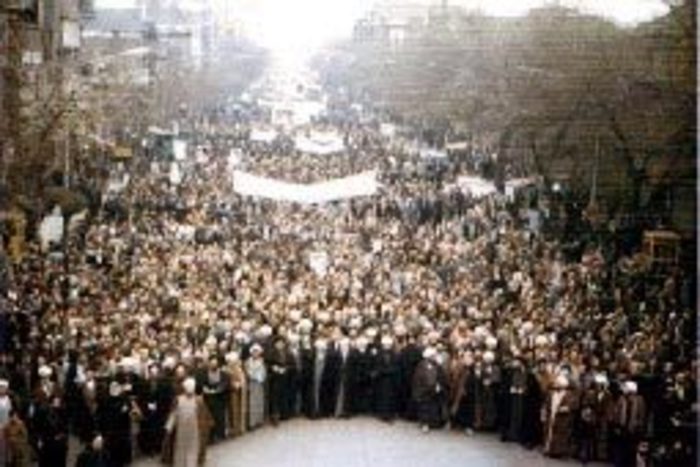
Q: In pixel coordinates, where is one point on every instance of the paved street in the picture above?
(365, 443)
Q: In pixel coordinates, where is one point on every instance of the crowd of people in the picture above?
(191, 315)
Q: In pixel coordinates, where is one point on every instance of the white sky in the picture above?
(626, 11)
(284, 24)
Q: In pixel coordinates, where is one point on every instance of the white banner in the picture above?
(175, 174)
(71, 34)
(259, 135)
(51, 229)
(432, 153)
(180, 149)
(387, 129)
(235, 158)
(363, 184)
(475, 186)
(512, 186)
(320, 143)
(457, 146)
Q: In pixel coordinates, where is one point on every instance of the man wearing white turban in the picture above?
(559, 416)
(238, 405)
(629, 422)
(188, 429)
(256, 372)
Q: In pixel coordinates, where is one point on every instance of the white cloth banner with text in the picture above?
(362, 184)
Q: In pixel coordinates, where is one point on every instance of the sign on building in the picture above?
(71, 34)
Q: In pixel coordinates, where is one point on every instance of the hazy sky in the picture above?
(622, 10)
(306, 23)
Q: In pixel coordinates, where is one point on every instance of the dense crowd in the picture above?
(191, 315)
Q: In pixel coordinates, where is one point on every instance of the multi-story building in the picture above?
(36, 37)
(393, 22)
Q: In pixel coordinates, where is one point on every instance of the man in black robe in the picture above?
(429, 391)
(386, 381)
(320, 352)
(127, 377)
(409, 358)
(532, 407)
(504, 401)
(86, 416)
(292, 403)
(49, 426)
(359, 379)
(340, 409)
(155, 400)
(464, 416)
(71, 389)
(115, 424)
(515, 386)
(215, 387)
(277, 364)
(94, 454)
(306, 379)
(488, 391)
(330, 380)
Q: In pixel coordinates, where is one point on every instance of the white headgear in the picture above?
(387, 342)
(601, 379)
(562, 381)
(491, 342)
(630, 387)
(232, 357)
(189, 385)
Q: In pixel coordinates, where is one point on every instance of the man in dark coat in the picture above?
(278, 367)
(215, 387)
(429, 390)
(515, 386)
(306, 379)
(292, 403)
(559, 414)
(409, 358)
(359, 379)
(87, 412)
(330, 381)
(386, 381)
(71, 390)
(115, 415)
(128, 379)
(629, 423)
(465, 395)
(341, 393)
(488, 376)
(504, 401)
(50, 429)
(155, 400)
(532, 407)
(94, 454)
(585, 425)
